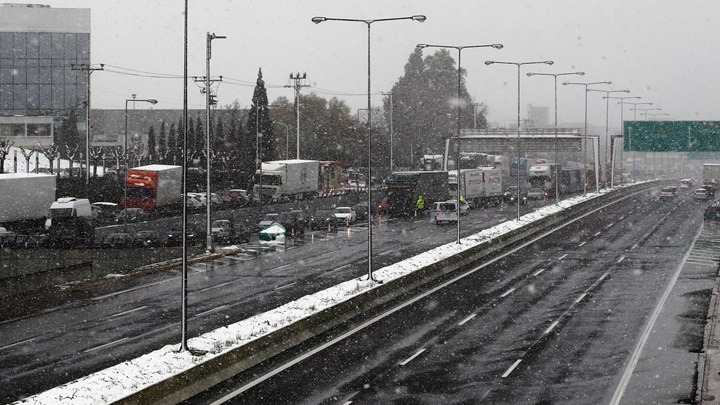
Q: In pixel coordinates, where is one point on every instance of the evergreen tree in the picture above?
(260, 124)
(172, 148)
(199, 144)
(151, 144)
(69, 136)
(218, 138)
(191, 151)
(162, 142)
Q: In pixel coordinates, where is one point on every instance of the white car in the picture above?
(346, 214)
(444, 211)
(464, 206)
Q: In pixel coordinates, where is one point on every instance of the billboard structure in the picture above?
(671, 136)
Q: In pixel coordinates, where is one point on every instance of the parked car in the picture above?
(117, 240)
(242, 194)
(535, 193)
(231, 200)
(668, 192)
(105, 211)
(225, 232)
(444, 211)
(146, 239)
(464, 206)
(293, 221)
(511, 195)
(346, 215)
(701, 194)
(361, 211)
(195, 234)
(131, 215)
(324, 219)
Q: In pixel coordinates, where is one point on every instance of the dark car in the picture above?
(131, 215)
(146, 239)
(225, 232)
(294, 222)
(117, 240)
(324, 219)
(361, 211)
(511, 196)
(194, 234)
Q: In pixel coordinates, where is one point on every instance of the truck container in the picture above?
(287, 179)
(480, 187)
(404, 188)
(25, 199)
(153, 187)
(431, 162)
(711, 174)
(571, 180)
(543, 176)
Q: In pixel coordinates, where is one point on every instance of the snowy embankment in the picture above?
(124, 379)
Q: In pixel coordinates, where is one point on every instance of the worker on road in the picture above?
(419, 205)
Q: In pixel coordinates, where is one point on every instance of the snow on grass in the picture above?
(121, 380)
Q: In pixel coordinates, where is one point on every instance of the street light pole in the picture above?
(622, 134)
(318, 20)
(518, 64)
(459, 109)
(391, 128)
(607, 139)
(208, 199)
(124, 202)
(557, 172)
(585, 135)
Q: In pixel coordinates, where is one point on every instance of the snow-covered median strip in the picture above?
(126, 378)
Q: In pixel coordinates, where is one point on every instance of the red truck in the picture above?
(153, 187)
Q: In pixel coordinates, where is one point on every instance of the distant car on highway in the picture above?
(225, 232)
(464, 206)
(117, 240)
(536, 193)
(444, 211)
(361, 211)
(345, 215)
(195, 233)
(687, 183)
(668, 192)
(324, 219)
(701, 194)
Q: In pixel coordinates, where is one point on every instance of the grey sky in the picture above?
(661, 50)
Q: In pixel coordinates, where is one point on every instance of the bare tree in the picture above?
(97, 153)
(27, 154)
(71, 152)
(50, 152)
(5, 145)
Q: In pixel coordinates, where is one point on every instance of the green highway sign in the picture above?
(672, 136)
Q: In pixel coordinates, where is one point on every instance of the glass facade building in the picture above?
(42, 52)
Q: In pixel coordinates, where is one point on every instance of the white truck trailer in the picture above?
(25, 199)
(287, 179)
(480, 187)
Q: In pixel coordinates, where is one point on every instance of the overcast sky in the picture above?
(664, 51)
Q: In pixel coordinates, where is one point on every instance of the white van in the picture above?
(69, 207)
(444, 211)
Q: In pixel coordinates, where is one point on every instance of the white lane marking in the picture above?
(211, 311)
(611, 224)
(106, 345)
(343, 267)
(214, 286)
(621, 218)
(621, 259)
(510, 370)
(19, 343)
(551, 327)
(409, 359)
(347, 403)
(709, 264)
(582, 244)
(506, 293)
(580, 298)
(466, 319)
(281, 267)
(634, 246)
(538, 272)
(128, 312)
(563, 256)
(386, 253)
(132, 289)
(598, 233)
(620, 390)
(603, 277)
(284, 286)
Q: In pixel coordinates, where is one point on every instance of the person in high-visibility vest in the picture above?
(419, 205)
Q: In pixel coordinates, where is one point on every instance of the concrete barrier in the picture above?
(203, 376)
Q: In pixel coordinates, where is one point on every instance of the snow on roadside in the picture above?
(121, 380)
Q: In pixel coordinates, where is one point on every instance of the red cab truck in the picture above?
(153, 187)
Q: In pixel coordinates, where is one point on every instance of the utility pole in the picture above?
(88, 69)
(297, 86)
(391, 128)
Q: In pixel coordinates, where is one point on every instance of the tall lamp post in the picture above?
(318, 20)
(555, 76)
(459, 109)
(607, 137)
(127, 100)
(622, 134)
(585, 135)
(518, 64)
